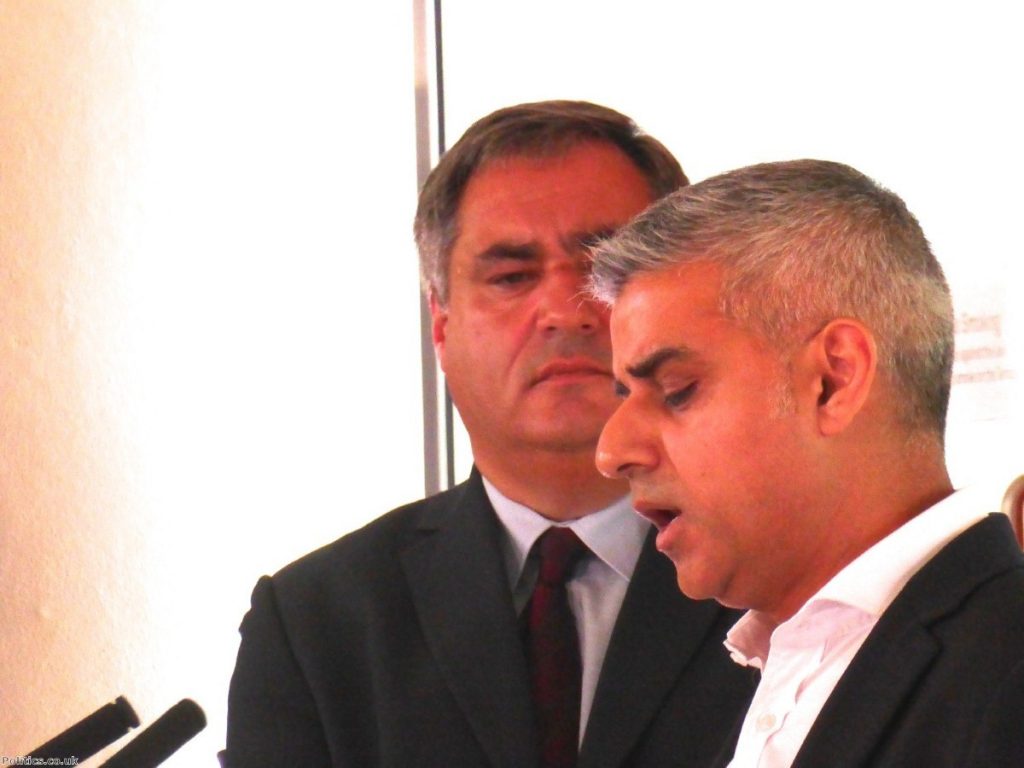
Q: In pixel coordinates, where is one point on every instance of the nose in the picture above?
(627, 447)
(564, 304)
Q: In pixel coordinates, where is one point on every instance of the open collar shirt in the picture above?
(802, 659)
(615, 535)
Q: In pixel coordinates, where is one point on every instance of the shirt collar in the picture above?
(872, 581)
(869, 583)
(614, 534)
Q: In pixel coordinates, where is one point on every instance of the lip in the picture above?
(662, 516)
(571, 368)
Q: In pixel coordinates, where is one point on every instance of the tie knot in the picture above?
(560, 549)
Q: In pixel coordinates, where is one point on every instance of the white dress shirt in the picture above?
(802, 659)
(615, 535)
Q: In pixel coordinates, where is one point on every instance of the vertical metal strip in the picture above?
(438, 416)
(449, 415)
(439, 78)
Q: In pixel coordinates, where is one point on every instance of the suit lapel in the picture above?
(656, 634)
(887, 670)
(869, 696)
(460, 590)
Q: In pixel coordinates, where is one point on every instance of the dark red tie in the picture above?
(553, 649)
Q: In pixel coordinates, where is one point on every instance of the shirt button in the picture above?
(765, 722)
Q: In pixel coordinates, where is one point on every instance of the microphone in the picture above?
(161, 739)
(91, 734)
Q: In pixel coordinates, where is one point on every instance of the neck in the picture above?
(559, 486)
(869, 511)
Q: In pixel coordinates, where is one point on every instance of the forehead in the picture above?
(592, 184)
(677, 307)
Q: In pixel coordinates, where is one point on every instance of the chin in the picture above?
(691, 591)
(574, 415)
(568, 440)
(698, 586)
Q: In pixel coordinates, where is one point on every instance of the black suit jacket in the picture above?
(939, 682)
(397, 645)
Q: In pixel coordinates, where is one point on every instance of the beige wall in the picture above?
(209, 331)
(72, 545)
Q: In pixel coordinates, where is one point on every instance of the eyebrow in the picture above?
(648, 366)
(503, 251)
(530, 250)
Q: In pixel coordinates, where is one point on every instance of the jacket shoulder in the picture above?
(375, 548)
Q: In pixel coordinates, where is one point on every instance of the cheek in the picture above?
(704, 447)
(725, 472)
(495, 330)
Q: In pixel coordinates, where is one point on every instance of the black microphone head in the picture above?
(162, 738)
(91, 734)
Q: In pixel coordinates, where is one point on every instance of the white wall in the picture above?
(923, 98)
(209, 331)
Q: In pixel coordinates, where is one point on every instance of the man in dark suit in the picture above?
(783, 344)
(413, 642)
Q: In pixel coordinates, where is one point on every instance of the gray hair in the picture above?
(542, 129)
(802, 243)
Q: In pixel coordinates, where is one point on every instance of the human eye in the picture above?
(677, 398)
(510, 278)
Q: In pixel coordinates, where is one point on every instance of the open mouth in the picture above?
(661, 517)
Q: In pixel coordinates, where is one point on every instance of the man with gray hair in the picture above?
(783, 345)
(522, 619)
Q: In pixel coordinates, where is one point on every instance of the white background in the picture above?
(925, 99)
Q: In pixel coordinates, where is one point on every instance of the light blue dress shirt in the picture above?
(596, 590)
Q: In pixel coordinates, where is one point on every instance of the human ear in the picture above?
(438, 325)
(846, 359)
